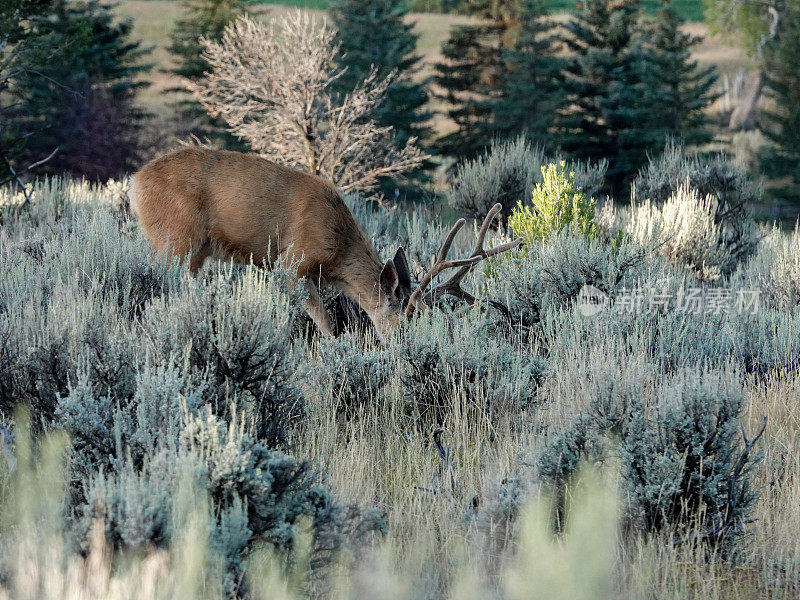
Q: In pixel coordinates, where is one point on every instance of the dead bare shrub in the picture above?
(272, 84)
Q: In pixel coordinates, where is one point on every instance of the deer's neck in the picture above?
(361, 274)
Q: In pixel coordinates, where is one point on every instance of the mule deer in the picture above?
(200, 203)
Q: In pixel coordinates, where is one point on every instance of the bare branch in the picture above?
(17, 175)
(774, 19)
(272, 84)
(39, 163)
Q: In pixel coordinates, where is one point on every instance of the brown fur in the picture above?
(198, 203)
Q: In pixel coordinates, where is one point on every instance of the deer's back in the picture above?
(243, 204)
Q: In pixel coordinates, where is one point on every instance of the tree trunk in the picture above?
(744, 115)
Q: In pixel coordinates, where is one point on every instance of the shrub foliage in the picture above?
(556, 203)
(157, 378)
(166, 383)
(507, 173)
(681, 454)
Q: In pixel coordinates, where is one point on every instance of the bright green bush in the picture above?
(556, 203)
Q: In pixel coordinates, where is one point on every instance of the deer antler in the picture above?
(453, 285)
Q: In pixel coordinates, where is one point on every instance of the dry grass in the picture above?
(428, 553)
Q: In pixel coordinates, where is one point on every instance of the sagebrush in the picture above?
(212, 437)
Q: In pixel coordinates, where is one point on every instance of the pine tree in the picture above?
(782, 124)
(15, 34)
(678, 92)
(14, 16)
(532, 90)
(375, 33)
(607, 115)
(201, 19)
(472, 74)
(78, 92)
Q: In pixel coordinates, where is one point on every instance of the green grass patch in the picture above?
(315, 4)
(691, 10)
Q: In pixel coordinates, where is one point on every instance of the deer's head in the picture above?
(395, 291)
(395, 280)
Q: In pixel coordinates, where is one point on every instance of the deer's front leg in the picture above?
(316, 309)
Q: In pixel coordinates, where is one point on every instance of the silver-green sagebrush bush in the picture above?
(38, 559)
(110, 430)
(199, 415)
(156, 376)
(196, 507)
(466, 369)
(349, 373)
(551, 274)
(257, 494)
(725, 192)
(760, 341)
(507, 173)
(686, 231)
(236, 328)
(684, 463)
(775, 271)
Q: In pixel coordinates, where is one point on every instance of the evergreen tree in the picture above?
(14, 16)
(208, 19)
(15, 35)
(78, 90)
(678, 93)
(473, 71)
(781, 124)
(532, 90)
(374, 33)
(607, 115)
(201, 18)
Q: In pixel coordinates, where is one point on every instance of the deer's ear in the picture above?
(401, 266)
(390, 281)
